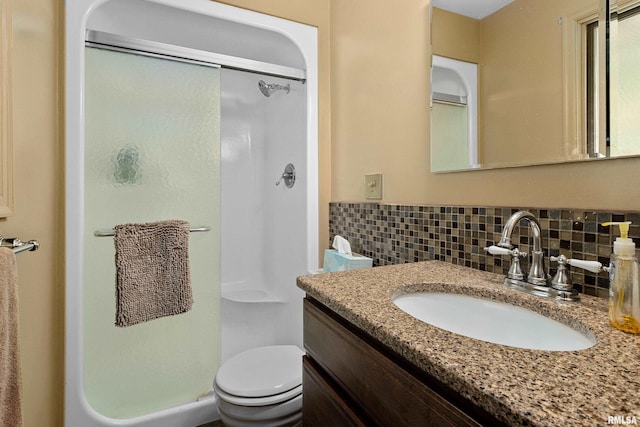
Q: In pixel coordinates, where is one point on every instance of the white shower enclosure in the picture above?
(263, 223)
(454, 115)
(189, 110)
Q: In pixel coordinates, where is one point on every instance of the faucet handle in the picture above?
(593, 266)
(497, 250)
(515, 272)
(561, 280)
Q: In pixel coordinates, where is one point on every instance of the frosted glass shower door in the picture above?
(151, 153)
(449, 137)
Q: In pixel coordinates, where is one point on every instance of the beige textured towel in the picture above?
(152, 271)
(10, 381)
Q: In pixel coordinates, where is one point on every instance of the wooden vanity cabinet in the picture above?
(350, 379)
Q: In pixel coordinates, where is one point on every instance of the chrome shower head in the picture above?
(268, 88)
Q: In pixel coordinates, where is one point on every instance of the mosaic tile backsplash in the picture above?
(395, 234)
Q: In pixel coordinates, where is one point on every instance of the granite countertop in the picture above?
(519, 386)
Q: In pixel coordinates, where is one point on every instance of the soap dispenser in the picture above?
(624, 288)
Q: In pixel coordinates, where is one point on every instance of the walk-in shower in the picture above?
(164, 122)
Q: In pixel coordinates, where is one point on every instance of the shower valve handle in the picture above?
(284, 176)
(289, 176)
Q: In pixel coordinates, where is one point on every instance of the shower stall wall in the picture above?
(135, 157)
(264, 224)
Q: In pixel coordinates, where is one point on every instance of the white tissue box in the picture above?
(335, 261)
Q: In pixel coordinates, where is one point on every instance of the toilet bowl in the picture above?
(261, 387)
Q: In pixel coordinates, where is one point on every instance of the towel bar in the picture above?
(107, 232)
(17, 245)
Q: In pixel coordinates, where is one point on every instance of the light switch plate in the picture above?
(373, 186)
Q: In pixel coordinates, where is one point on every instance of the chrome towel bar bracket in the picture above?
(17, 245)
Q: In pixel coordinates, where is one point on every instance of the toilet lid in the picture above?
(259, 401)
(262, 371)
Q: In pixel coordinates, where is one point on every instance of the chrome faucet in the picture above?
(537, 280)
(537, 273)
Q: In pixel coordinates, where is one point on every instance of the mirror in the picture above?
(541, 88)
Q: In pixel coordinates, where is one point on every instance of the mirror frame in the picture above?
(6, 107)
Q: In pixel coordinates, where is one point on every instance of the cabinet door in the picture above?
(383, 391)
(321, 404)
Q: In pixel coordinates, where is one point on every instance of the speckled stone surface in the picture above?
(518, 386)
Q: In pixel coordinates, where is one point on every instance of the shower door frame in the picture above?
(77, 409)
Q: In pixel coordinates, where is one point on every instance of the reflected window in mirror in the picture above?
(592, 62)
(624, 85)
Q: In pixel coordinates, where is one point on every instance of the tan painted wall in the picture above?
(455, 36)
(38, 202)
(521, 84)
(379, 98)
(521, 81)
(380, 87)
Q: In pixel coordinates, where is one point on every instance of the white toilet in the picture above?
(261, 387)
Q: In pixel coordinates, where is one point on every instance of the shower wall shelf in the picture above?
(240, 292)
(110, 232)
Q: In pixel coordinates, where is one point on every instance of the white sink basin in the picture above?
(491, 321)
